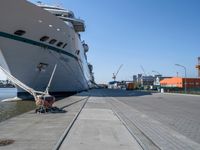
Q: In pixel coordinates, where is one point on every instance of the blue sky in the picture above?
(153, 33)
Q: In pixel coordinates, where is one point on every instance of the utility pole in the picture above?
(185, 75)
(198, 67)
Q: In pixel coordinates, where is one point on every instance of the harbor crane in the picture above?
(143, 70)
(115, 74)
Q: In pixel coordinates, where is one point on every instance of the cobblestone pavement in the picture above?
(162, 136)
(181, 113)
(169, 121)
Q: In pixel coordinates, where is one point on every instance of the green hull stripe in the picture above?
(39, 44)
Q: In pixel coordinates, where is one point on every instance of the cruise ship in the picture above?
(36, 37)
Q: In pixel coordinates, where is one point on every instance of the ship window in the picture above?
(58, 15)
(42, 66)
(53, 41)
(44, 38)
(20, 32)
(60, 44)
(77, 52)
(64, 45)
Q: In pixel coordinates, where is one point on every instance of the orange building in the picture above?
(180, 82)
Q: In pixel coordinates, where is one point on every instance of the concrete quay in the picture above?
(99, 128)
(110, 119)
(32, 131)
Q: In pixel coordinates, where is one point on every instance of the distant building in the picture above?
(179, 82)
(6, 84)
(147, 80)
(158, 78)
(134, 78)
(112, 85)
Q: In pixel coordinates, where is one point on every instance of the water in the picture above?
(11, 109)
(7, 93)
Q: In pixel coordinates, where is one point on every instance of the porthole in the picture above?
(44, 38)
(64, 45)
(60, 44)
(53, 41)
(77, 52)
(20, 32)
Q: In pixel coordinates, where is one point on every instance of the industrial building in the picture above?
(178, 82)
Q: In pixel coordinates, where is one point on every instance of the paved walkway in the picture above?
(163, 137)
(32, 131)
(109, 120)
(98, 128)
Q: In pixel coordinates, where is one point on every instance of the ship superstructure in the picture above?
(33, 38)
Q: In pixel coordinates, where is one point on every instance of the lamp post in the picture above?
(185, 75)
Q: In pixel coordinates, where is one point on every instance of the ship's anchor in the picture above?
(43, 100)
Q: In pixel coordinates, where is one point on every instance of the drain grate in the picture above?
(4, 142)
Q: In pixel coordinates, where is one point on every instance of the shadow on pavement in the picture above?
(113, 93)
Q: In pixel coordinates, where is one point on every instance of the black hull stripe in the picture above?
(35, 43)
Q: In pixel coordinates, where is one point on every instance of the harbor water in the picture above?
(7, 93)
(11, 109)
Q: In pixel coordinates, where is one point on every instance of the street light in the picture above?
(185, 75)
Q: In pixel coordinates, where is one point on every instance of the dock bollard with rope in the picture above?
(43, 100)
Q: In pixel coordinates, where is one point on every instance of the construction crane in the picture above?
(143, 70)
(115, 74)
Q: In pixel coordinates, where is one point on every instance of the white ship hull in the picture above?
(23, 54)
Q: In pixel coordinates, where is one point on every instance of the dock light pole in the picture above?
(185, 75)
